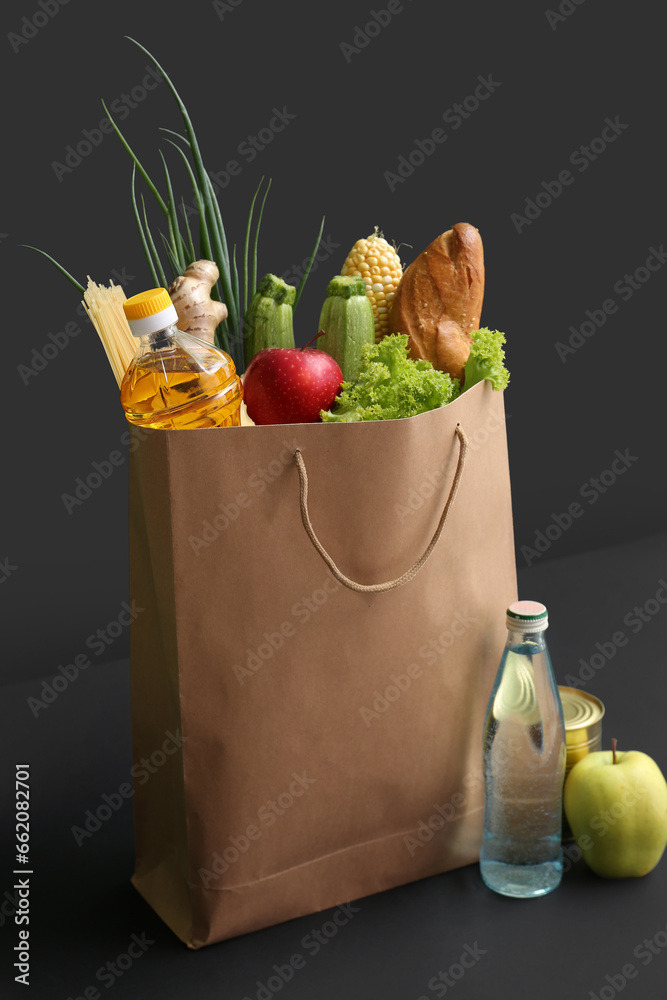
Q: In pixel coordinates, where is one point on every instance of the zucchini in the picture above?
(268, 321)
(348, 324)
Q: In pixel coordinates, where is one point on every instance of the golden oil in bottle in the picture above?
(176, 381)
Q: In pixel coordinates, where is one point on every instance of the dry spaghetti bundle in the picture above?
(105, 311)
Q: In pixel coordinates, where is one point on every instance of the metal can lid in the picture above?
(531, 615)
(581, 710)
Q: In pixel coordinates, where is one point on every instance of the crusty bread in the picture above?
(438, 302)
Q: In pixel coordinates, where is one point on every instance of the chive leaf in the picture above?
(246, 247)
(253, 283)
(304, 277)
(158, 263)
(213, 216)
(142, 235)
(56, 264)
(143, 173)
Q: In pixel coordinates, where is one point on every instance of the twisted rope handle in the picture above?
(377, 588)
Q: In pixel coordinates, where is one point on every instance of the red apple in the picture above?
(290, 385)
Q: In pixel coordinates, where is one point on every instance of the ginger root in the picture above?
(198, 313)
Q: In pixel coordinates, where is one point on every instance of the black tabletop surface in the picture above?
(444, 935)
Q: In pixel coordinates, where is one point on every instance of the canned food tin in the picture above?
(582, 713)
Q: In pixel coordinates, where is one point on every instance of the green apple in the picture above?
(616, 805)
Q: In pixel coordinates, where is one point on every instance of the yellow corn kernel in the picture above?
(378, 263)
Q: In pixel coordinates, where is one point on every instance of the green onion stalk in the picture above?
(177, 242)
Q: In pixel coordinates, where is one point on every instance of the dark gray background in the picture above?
(566, 420)
(353, 121)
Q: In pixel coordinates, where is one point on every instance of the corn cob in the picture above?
(378, 263)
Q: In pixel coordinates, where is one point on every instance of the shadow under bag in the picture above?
(322, 617)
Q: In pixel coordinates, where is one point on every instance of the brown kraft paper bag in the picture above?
(310, 741)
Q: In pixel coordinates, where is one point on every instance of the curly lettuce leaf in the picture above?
(391, 385)
(486, 360)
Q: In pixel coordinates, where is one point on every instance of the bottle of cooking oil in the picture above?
(524, 763)
(175, 380)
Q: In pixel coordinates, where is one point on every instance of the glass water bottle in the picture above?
(524, 763)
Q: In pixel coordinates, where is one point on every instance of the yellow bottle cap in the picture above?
(145, 304)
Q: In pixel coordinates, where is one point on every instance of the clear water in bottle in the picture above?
(524, 764)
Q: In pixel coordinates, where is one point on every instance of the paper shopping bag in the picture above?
(322, 619)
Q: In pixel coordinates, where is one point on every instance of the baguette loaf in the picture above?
(438, 302)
